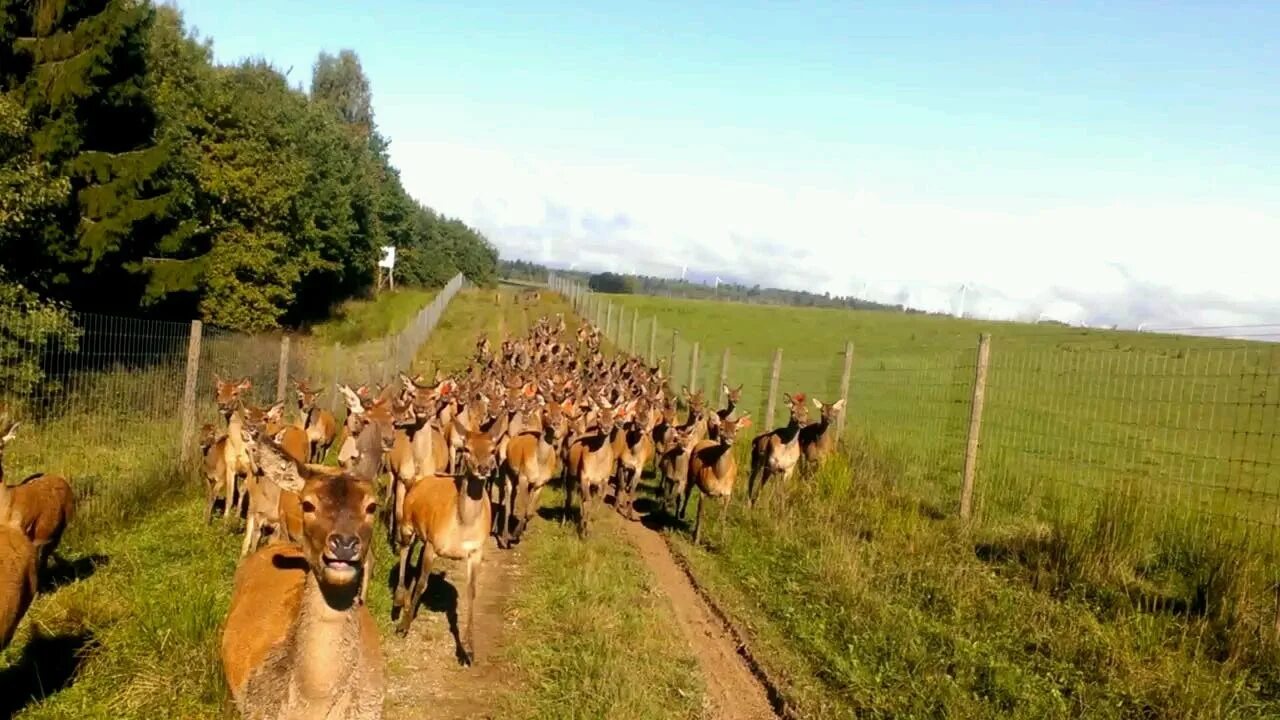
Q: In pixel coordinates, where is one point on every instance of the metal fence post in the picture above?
(774, 376)
(282, 375)
(845, 377)
(189, 392)
(975, 425)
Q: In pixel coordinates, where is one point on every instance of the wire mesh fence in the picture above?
(1173, 432)
(116, 404)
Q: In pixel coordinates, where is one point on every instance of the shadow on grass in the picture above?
(47, 666)
(439, 596)
(64, 572)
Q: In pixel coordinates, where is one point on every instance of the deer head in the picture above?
(796, 404)
(227, 394)
(307, 396)
(830, 412)
(337, 528)
(727, 429)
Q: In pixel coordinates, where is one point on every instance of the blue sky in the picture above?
(1103, 163)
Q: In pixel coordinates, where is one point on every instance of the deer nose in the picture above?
(345, 548)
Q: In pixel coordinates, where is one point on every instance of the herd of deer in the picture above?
(465, 457)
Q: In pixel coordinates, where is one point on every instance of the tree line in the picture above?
(135, 172)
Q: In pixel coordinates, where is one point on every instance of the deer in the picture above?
(673, 467)
(816, 443)
(227, 458)
(319, 423)
(276, 474)
(633, 448)
(591, 463)
(732, 396)
(450, 516)
(40, 506)
(419, 447)
(777, 452)
(712, 467)
(18, 580)
(297, 642)
(533, 458)
(226, 394)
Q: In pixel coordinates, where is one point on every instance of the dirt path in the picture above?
(732, 690)
(424, 677)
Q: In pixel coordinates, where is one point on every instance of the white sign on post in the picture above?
(388, 257)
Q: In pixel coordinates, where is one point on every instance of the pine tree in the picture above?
(78, 68)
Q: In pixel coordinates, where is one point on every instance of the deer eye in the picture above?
(371, 508)
(308, 506)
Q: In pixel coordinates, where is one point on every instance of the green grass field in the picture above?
(357, 321)
(128, 625)
(1119, 562)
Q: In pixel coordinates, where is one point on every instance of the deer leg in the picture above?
(230, 484)
(584, 511)
(569, 490)
(250, 527)
(531, 507)
(697, 523)
(473, 575)
(397, 511)
(402, 584)
(419, 584)
(513, 489)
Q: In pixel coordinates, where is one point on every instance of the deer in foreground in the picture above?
(673, 467)
(297, 643)
(276, 473)
(633, 448)
(319, 423)
(777, 452)
(451, 517)
(17, 580)
(40, 506)
(713, 468)
(816, 442)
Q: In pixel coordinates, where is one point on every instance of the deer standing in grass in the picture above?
(297, 643)
(732, 396)
(777, 452)
(226, 394)
(712, 467)
(276, 475)
(816, 440)
(40, 506)
(18, 556)
(591, 464)
(673, 467)
(533, 458)
(450, 517)
(633, 448)
(319, 423)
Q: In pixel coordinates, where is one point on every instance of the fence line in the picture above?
(114, 403)
(1031, 427)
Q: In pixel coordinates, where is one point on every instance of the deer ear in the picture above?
(744, 421)
(838, 405)
(724, 388)
(817, 403)
(9, 435)
(246, 384)
(786, 398)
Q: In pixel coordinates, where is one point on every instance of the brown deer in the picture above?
(40, 506)
(226, 393)
(732, 396)
(533, 458)
(816, 443)
(673, 467)
(17, 580)
(297, 643)
(633, 448)
(319, 423)
(777, 452)
(276, 473)
(451, 517)
(591, 463)
(713, 467)
(228, 458)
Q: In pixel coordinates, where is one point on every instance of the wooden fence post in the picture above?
(675, 345)
(635, 327)
(774, 376)
(844, 389)
(653, 341)
(335, 353)
(189, 392)
(608, 322)
(282, 375)
(693, 368)
(975, 425)
(724, 376)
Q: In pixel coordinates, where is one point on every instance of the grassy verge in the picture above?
(359, 320)
(594, 640)
(867, 603)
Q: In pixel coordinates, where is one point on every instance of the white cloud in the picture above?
(1125, 264)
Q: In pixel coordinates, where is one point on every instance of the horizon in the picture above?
(1097, 166)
